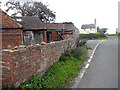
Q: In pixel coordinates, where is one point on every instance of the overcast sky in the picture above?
(85, 11)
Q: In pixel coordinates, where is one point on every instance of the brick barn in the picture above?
(11, 31)
(19, 64)
(35, 31)
(30, 30)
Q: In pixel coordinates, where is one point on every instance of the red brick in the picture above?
(34, 60)
(6, 76)
(4, 83)
(4, 60)
(13, 40)
(12, 67)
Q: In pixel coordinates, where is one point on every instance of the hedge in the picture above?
(91, 36)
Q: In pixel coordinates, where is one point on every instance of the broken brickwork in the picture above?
(19, 65)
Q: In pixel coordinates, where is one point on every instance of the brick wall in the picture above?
(8, 22)
(11, 32)
(11, 37)
(19, 65)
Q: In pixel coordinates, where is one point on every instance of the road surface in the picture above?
(103, 69)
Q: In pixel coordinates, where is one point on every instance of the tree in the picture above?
(98, 29)
(31, 9)
(101, 30)
(67, 22)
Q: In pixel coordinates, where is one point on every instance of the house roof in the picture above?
(59, 26)
(34, 23)
(31, 22)
(7, 21)
(88, 26)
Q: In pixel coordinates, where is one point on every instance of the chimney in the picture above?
(95, 21)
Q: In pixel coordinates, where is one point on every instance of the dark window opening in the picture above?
(38, 37)
(49, 37)
(32, 37)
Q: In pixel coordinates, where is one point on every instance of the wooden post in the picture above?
(45, 36)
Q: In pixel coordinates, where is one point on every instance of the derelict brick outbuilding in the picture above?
(11, 32)
(35, 31)
(18, 65)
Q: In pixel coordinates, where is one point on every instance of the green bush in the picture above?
(9, 87)
(118, 34)
(65, 56)
(77, 52)
(91, 36)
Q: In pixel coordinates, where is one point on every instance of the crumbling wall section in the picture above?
(19, 65)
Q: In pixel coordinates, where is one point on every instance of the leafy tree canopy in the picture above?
(31, 9)
(102, 30)
(67, 22)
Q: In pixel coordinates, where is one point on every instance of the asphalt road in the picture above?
(103, 69)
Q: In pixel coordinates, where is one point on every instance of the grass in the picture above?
(61, 73)
(116, 35)
(100, 38)
(112, 35)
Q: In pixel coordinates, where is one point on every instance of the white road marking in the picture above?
(87, 66)
(94, 50)
(82, 74)
(89, 60)
(83, 71)
(91, 57)
(92, 54)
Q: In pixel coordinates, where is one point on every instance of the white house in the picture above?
(89, 28)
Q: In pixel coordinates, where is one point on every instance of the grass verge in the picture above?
(112, 35)
(99, 38)
(61, 73)
(116, 35)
